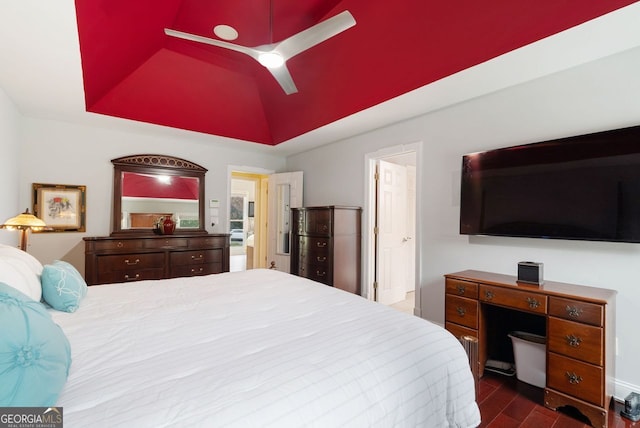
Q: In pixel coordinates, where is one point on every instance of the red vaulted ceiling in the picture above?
(133, 70)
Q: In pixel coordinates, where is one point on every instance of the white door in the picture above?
(392, 238)
(284, 193)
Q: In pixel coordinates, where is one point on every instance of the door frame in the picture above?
(369, 218)
(247, 170)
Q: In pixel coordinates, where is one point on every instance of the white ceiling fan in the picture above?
(274, 56)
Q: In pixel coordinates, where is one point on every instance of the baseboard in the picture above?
(623, 389)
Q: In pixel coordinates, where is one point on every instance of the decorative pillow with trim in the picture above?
(35, 355)
(62, 286)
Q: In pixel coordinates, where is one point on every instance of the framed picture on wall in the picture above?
(60, 206)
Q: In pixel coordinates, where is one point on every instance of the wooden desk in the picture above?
(580, 330)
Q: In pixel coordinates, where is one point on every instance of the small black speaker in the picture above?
(530, 272)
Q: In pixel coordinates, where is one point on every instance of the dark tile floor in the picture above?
(505, 402)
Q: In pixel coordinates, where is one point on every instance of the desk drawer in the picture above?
(579, 341)
(458, 331)
(581, 380)
(461, 310)
(526, 301)
(196, 257)
(575, 310)
(462, 288)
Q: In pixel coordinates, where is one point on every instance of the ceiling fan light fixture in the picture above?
(225, 32)
(271, 59)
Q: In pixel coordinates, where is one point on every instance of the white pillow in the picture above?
(19, 275)
(32, 262)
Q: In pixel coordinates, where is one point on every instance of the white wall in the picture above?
(61, 153)
(9, 144)
(600, 95)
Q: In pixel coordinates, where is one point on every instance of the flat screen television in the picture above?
(584, 187)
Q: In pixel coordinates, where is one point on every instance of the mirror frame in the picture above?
(155, 164)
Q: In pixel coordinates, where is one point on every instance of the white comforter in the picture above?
(257, 348)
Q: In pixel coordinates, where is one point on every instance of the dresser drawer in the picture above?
(316, 273)
(575, 310)
(117, 245)
(576, 340)
(461, 288)
(196, 269)
(166, 242)
(130, 275)
(317, 222)
(314, 247)
(530, 302)
(129, 262)
(208, 242)
(581, 380)
(461, 310)
(195, 257)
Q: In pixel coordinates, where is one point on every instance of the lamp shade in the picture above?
(26, 220)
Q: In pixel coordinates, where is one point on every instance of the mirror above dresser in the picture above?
(147, 187)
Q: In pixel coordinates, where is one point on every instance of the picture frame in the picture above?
(60, 206)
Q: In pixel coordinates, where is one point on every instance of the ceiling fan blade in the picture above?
(253, 53)
(312, 36)
(282, 75)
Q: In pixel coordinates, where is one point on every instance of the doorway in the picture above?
(247, 220)
(258, 220)
(391, 236)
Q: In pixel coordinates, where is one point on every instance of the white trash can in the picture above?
(529, 351)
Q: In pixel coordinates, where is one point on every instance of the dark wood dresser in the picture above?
(326, 247)
(578, 321)
(134, 258)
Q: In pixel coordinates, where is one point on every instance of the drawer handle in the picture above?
(324, 227)
(488, 294)
(321, 244)
(129, 263)
(533, 303)
(119, 244)
(461, 311)
(318, 273)
(194, 270)
(461, 289)
(198, 257)
(574, 311)
(573, 341)
(321, 259)
(135, 278)
(573, 378)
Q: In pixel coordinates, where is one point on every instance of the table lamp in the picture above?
(24, 222)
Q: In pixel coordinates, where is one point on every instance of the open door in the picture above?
(284, 193)
(392, 233)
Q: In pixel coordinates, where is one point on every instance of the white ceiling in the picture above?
(41, 73)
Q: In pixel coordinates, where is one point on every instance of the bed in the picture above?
(256, 349)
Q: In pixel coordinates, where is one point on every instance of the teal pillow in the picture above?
(34, 352)
(62, 286)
